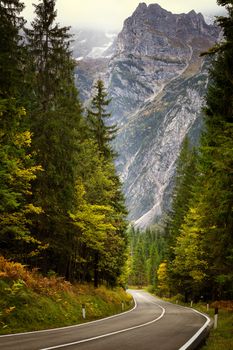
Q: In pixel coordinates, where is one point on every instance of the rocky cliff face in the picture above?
(92, 50)
(154, 47)
(157, 81)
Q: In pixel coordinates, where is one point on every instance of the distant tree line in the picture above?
(147, 251)
(61, 205)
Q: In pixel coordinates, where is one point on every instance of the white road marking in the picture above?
(196, 335)
(112, 333)
(184, 347)
(73, 326)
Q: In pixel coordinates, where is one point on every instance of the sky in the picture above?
(110, 14)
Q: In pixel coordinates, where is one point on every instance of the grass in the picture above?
(31, 302)
(220, 338)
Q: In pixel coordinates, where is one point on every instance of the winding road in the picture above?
(151, 325)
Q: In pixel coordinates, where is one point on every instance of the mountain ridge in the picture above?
(157, 81)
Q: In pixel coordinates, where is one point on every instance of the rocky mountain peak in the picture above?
(158, 45)
(153, 17)
(157, 81)
(142, 7)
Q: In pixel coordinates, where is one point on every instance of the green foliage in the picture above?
(97, 120)
(11, 52)
(221, 338)
(32, 302)
(201, 263)
(17, 170)
(55, 120)
(147, 249)
(66, 215)
(99, 218)
(182, 194)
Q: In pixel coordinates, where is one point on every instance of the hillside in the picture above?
(30, 302)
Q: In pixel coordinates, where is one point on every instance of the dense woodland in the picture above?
(61, 206)
(200, 229)
(147, 251)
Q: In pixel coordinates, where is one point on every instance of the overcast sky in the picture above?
(110, 14)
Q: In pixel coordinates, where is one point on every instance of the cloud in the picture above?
(110, 14)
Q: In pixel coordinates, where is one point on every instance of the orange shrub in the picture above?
(32, 279)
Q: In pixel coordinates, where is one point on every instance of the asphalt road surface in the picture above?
(151, 325)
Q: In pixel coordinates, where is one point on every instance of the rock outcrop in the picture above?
(157, 81)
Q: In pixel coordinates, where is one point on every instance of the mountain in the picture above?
(89, 43)
(92, 49)
(157, 81)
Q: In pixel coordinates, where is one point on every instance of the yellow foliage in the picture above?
(9, 309)
(163, 278)
(23, 139)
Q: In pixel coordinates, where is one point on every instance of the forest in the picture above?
(62, 209)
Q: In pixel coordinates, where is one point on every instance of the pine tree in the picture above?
(17, 168)
(97, 118)
(55, 122)
(109, 263)
(220, 96)
(139, 273)
(11, 52)
(186, 173)
(153, 264)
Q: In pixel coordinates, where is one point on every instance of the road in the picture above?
(152, 324)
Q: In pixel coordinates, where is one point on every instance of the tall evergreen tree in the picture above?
(139, 272)
(97, 118)
(147, 250)
(55, 122)
(217, 163)
(17, 168)
(11, 24)
(186, 174)
(108, 264)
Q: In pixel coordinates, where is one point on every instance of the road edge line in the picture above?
(72, 326)
(111, 333)
(190, 342)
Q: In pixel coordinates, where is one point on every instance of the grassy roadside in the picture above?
(220, 338)
(30, 302)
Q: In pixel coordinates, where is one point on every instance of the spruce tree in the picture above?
(11, 52)
(108, 263)
(186, 173)
(55, 121)
(17, 168)
(97, 118)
